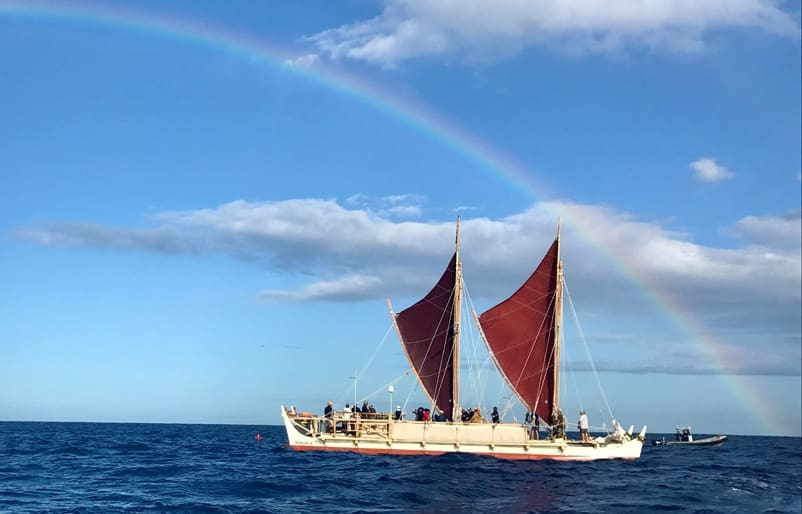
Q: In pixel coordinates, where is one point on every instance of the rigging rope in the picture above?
(587, 350)
(482, 371)
(346, 394)
(376, 351)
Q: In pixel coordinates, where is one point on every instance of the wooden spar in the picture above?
(558, 314)
(456, 413)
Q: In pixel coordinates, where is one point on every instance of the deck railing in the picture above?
(349, 424)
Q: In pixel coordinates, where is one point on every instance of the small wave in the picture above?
(185, 468)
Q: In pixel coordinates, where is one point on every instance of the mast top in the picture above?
(559, 227)
(456, 237)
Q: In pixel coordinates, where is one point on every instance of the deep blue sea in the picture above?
(107, 468)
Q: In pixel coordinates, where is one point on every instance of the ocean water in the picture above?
(108, 468)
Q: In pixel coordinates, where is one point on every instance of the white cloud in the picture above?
(670, 262)
(348, 288)
(337, 253)
(404, 211)
(771, 231)
(358, 242)
(708, 170)
(395, 206)
(304, 61)
(486, 29)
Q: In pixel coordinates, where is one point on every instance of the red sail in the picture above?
(521, 334)
(427, 335)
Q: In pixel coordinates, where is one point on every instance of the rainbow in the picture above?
(419, 117)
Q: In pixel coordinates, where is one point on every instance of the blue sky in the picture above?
(204, 207)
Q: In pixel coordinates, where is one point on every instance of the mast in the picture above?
(455, 408)
(558, 318)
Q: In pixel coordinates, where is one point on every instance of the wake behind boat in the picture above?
(523, 336)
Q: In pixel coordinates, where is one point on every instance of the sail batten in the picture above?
(521, 333)
(427, 332)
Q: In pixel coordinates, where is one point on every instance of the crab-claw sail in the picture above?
(427, 332)
(522, 333)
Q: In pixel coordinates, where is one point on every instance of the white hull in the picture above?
(383, 435)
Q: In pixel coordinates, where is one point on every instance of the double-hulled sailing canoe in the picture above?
(523, 336)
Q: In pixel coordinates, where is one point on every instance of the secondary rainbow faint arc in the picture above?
(421, 119)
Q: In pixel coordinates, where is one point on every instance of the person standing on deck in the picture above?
(561, 423)
(557, 423)
(583, 426)
(346, 414)
(328, 413)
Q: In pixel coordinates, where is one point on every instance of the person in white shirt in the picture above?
(583, 426)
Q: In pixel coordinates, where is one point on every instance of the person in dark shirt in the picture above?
(327, 413)
(494, 415)
(365, 408)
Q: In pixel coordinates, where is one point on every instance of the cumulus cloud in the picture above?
(293, 234)
(746, 295)
(708, 170)
(487, 29)
(297, 232)
(721, 286)
(770, 231)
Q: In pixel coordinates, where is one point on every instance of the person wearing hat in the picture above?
(398, 412)
(583, 426)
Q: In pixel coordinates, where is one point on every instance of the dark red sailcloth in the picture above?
(427, 335)
(521, 334)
